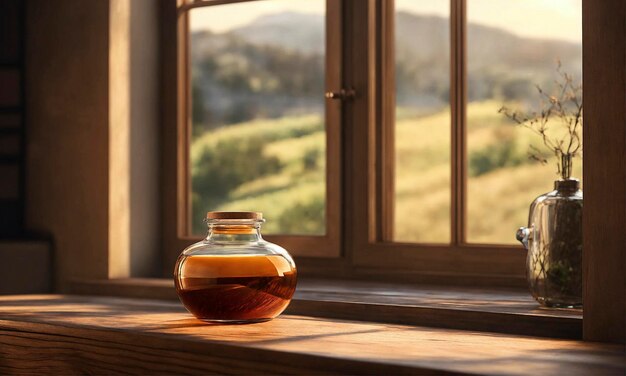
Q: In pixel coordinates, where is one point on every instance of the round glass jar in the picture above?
(233, 275)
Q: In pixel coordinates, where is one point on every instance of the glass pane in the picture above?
(422, 133)
(514, 45)
(258, 135)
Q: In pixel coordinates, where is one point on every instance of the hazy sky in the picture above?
(558, 19)
(224, 17)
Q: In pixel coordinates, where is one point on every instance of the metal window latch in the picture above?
(343, 94)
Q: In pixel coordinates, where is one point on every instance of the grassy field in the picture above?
(296, 185)
(292, 194)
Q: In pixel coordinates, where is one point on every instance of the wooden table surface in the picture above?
(82, 334)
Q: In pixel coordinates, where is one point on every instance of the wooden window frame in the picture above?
(366, 160)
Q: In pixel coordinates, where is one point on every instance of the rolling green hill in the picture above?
(280, 167)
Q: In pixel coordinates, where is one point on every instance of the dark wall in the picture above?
(11, 119)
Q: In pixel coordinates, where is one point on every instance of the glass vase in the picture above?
(553, 240)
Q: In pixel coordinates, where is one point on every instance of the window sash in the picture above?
(382, 220)
(369, 196)
(386, 125)
(177, 227)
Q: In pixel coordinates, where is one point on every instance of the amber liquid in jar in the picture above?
(235, 288)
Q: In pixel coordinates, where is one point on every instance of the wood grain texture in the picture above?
(385, 119)
(500, 311)
(458, 134)
(68, 142)
(92, 135)
(491, 310)
(604, 163)
(78, 335)
(170, 115)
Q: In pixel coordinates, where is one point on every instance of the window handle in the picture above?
(343, 94)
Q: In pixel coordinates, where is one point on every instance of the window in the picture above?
(417, 174)
(258, 132)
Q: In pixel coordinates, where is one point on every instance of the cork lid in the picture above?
(257, 216)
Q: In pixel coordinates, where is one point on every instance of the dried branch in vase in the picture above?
(564, 110)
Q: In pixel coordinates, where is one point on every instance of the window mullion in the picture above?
(385, 120)
(458, 128)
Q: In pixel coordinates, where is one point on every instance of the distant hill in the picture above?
(290, 30)
(275, 65)
(427, 35)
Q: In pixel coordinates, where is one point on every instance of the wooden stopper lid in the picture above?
(234, 215)
(567, 185)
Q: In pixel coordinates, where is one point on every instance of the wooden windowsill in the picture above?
(489, 310)
(85, 334)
